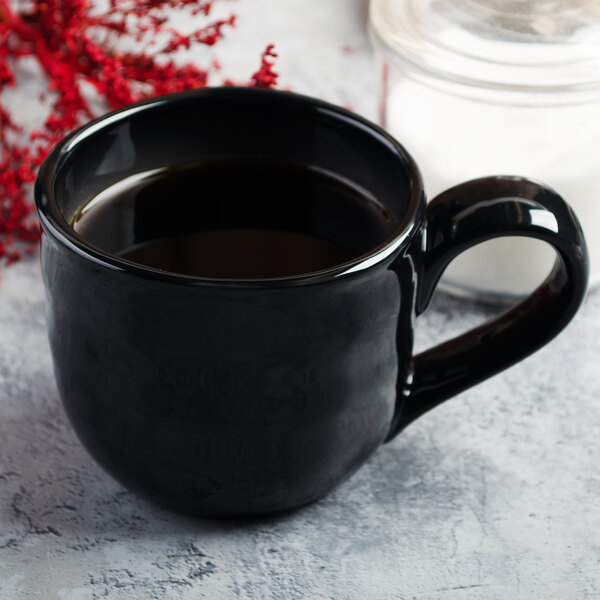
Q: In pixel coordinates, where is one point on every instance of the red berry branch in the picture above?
(77, 46)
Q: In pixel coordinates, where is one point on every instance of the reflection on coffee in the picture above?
(235, 219)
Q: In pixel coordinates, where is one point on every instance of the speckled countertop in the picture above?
(493, 495)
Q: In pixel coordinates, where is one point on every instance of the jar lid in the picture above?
(524, 45)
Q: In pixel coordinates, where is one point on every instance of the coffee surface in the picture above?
(235, 219)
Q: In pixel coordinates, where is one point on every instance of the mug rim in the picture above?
(54, 223)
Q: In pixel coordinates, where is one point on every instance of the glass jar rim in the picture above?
(468, 42)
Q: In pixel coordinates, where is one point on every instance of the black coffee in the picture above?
(235, 219)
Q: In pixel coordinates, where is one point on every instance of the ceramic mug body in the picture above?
(231, 398)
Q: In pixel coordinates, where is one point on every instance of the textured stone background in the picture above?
(493, 495)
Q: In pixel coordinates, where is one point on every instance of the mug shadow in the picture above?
(49, 485)
(62, 493)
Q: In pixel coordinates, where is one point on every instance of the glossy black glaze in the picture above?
(230, 398)
(466, 215)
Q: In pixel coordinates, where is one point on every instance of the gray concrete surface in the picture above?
(492, 496)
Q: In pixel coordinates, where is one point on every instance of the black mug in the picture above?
(249, 397)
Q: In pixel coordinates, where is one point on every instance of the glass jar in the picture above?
(509, 87)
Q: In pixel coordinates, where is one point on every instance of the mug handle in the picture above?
(464, 216)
